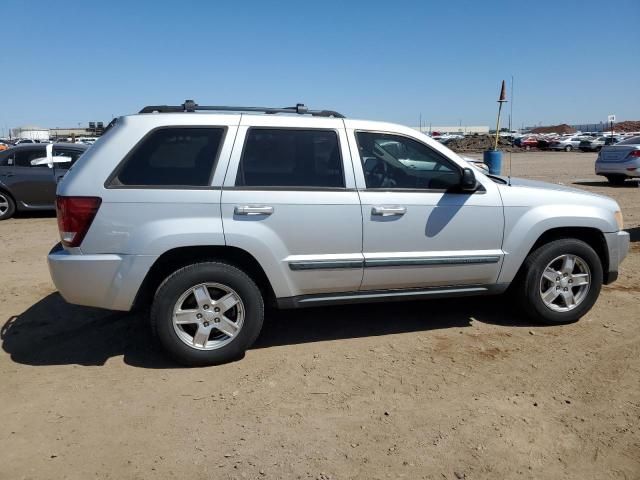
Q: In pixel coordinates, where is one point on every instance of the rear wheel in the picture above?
(7, 206)
(207, 314)
(616, 179)
(568, 148)
(561, 281)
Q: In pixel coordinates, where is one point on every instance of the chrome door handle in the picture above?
(253, 210)
(386, 211)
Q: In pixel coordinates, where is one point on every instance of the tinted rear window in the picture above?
(290, 158)
(173, 156)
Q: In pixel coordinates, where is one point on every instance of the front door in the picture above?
(289, 199)
(419, 228)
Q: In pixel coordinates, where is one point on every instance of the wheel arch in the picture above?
(590, 235)
(6, 191)
(179, 257)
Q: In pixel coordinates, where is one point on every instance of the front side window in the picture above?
(394, 161)
(174, 156)
(290, 158)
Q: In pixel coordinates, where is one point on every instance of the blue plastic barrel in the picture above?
(493, 160)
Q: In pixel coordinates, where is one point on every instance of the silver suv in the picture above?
(207, 217)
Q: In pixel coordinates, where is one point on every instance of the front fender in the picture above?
(525, 225)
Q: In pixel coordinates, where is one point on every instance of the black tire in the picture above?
(534, 265)
(616, 179)
(568, 148)
(180, 282)
(10, 208)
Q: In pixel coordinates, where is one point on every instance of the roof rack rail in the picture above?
(191, 106)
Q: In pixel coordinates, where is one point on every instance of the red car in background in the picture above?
(527, 143)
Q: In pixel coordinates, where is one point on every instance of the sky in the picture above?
(71, 62)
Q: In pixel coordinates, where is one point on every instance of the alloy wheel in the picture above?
(565, 283)
(208, 316)
(4, 204)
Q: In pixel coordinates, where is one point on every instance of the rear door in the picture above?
(32, 185)
(289, 199)
(419, 229)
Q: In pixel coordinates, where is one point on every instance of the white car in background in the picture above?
(85, 140)
(567, 143)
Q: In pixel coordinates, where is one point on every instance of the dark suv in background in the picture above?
(29, 174)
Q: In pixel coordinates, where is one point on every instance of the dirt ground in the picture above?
(440, 390)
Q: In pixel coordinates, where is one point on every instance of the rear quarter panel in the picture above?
(148, 221)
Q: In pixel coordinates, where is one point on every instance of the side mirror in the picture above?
(468, 182)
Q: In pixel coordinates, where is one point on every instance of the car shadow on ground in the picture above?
(634, 233)
(53, 332)
(34, 214)
(604, 183)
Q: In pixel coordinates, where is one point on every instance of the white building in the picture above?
(464, 129)
(31, 132)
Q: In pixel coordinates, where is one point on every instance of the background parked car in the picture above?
(566, 143)
(595, 144)
(526, 142)
(29, 174)
(543, 143)
(619, 162)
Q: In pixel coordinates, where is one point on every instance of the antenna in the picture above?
(511, 133)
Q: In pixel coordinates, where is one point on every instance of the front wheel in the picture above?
(207, 313)
(568, 148)
(561, 282)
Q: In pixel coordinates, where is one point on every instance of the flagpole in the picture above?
(501, 100)
(495, 147)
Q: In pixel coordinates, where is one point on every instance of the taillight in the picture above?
(635, 154)
(75, 215)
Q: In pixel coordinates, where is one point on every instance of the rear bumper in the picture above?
(630, 168)
(104, 280)
(618, 247)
